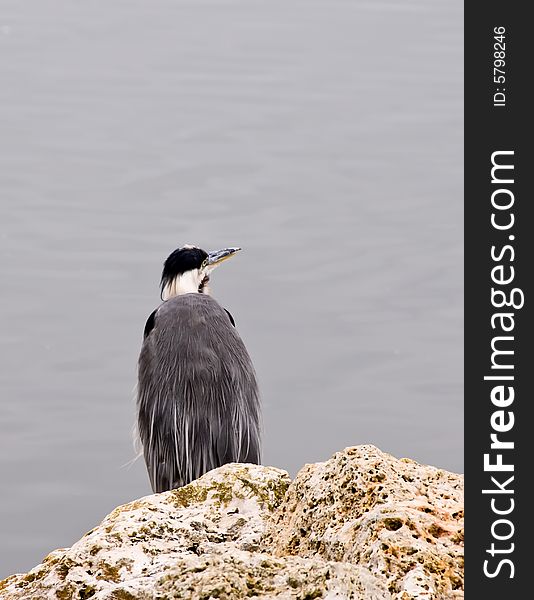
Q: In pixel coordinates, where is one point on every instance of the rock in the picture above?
(401, 520)
(362, 525)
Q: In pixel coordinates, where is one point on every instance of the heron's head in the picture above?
(187, 270)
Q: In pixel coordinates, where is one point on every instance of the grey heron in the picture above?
(197, 396)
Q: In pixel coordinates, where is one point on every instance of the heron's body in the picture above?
(197, 402)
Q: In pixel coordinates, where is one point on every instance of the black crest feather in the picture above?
(180, 261)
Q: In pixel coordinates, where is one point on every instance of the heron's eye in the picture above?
(204, 264)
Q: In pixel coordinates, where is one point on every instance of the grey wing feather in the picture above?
(198, 402)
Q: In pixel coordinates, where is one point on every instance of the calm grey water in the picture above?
(322, 136)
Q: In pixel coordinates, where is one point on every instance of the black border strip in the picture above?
(496, 124)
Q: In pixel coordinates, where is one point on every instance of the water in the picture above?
(324, 137)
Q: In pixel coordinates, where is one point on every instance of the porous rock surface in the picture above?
(362, 525)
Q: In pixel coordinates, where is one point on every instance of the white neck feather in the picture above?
(187, 283)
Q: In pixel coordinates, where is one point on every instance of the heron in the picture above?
(198, 404)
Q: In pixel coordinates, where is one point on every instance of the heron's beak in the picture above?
(216, 258)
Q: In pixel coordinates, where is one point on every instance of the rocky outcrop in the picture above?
(361, 525)
(401, 520)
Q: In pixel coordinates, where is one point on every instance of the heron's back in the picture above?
(198, 405)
